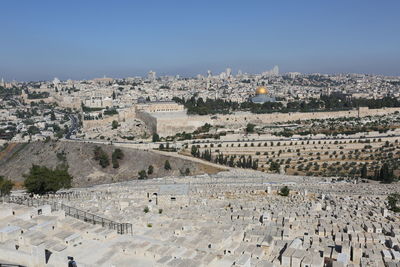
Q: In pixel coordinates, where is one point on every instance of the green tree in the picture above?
(142, 175)
(101, 156)
(150, 170)
(284, 191)
(156, 137)
(194, 150)
(364, 171)
(115, 163)
(104, 161)
(5, 186)
(274, 166)
(386, 174)
(114, 124)
(118, 153)
(187, 171)
(33, 130)
(250, 128)
(41, 180)
(52, 116)
(393, 199)
(167, 165)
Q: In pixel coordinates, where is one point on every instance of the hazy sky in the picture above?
(86, 39)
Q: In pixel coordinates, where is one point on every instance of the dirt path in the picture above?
(204, 162)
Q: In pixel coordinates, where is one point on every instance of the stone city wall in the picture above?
(171, 125)
(244, 118)
(123, 115)
(148, 119)
(87, 124)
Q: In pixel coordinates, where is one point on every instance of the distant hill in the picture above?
(16, 160)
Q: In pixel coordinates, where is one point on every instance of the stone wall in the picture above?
(123, 115)
(87, 124)
(171, 125)
(148, 119)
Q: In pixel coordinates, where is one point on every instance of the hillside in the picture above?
(16, 160)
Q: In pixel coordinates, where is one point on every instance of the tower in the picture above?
(151, 75)
(228, 72)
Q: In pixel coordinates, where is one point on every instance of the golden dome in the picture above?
(261, 91)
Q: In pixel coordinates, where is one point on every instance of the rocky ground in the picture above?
(16, 160)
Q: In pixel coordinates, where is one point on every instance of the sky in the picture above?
(84, 39)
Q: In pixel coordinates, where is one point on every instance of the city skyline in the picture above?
(74, 40)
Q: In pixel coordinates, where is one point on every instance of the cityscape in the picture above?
(227, 162)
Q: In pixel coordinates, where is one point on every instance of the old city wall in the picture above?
(87, 124)
(127, 114)
(123, 115)
(171, 126)
(148, 119)
(244, 118)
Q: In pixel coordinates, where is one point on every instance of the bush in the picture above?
(274, 166)
(187, 171)
(250, 128)
(146, 209)
(142, 175)
(114, 125)
(5, 186)
(393, 199)
(167, 165)
(41, 180)
(284, 191)
(150, 170)
(156, 137)
(117, 155)
(160, 211)
(101, 156)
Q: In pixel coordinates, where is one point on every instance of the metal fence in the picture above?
(122, 228)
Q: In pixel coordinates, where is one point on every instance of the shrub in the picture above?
(393, 199)
(41, 180)
(5, 186)
(114, 125)
(284, 191)
(167, 165)
(150, 170)
(142, 175)
(156, 137)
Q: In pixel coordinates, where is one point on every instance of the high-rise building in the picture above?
(151, 75)
(228, 72)
(273, 72)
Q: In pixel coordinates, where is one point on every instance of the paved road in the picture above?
(74, 126)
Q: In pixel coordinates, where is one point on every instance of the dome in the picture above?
(261, 91)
